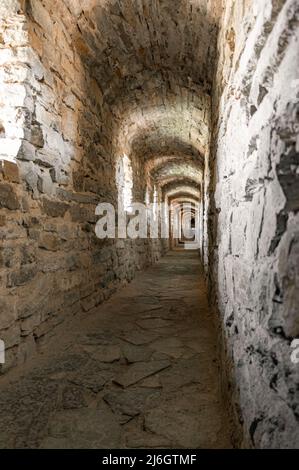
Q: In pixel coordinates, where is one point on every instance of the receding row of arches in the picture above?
(168, 187)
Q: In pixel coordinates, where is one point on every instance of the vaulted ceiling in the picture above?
(153, 61)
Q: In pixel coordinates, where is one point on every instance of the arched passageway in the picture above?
(166, 104)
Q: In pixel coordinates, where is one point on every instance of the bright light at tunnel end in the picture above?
(150, 221)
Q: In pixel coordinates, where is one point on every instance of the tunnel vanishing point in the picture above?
(149, 342)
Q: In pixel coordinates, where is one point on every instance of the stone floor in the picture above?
(140, 371)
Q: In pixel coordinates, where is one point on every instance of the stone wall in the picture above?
(83, 83)
(252, 230)
(57, 163)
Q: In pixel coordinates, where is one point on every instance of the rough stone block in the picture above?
(27, 254)
(8, 314)
(47, 158)
(69, 124)
(27, 151)
(29, 323)
(54, 140)
(59, 175)
(40, 15)
(21, 276)
(45, 184)
(26, 349)
(10, 336)
(31, 178)
(49, 241)
(36, 135)
(79, 214)
(8, 197)
(54, 208)
(10, 171)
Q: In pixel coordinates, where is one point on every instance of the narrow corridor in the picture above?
(141, 371)
(127, 129)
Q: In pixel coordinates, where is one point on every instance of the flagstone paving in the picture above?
(140, 371)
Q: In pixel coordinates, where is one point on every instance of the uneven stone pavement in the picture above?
(140, 371)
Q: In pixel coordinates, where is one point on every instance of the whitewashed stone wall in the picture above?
(253, 254)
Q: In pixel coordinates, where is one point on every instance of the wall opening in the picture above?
(124, 183)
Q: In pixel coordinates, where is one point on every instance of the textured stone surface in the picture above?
(178, 413)
(253, 219)
(69, 399)
(83, 429)
(200, 98)
(133, 353)
(131, 402)
(105, 353)
(139, 371)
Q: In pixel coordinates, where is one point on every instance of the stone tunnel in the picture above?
(163, 341)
